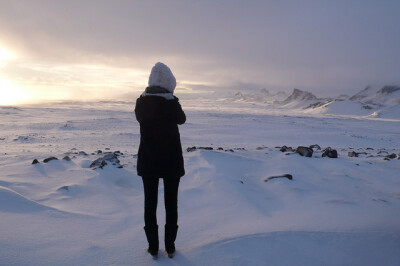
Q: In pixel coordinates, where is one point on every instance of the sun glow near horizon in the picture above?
(23, 81)
(5, 55)
(9, 92)
(12, 94)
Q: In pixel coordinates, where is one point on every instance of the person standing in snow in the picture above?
(160, 154)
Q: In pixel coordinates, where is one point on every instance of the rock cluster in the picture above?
(308, 151)
(194, 148)
(108, 158)
(381, 153)
(36, 161)
(190, 149)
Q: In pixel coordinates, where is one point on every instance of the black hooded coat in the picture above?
(160, 150)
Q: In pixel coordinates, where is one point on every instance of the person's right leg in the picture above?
(150, 185)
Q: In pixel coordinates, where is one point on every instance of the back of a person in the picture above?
(160, 154)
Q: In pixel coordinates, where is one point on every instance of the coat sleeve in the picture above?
(180, 115)
(138, 111)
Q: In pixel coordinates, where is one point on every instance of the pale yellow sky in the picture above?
(23, 80)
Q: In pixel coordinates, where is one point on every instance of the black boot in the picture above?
(170, 236)
(152, 238)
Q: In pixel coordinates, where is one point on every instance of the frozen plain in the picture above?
(343, 211)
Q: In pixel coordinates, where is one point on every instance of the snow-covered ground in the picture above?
(343, 211)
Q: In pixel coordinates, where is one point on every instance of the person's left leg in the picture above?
(171, 210)
(171, 201)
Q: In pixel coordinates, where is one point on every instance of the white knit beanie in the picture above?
(162, 76)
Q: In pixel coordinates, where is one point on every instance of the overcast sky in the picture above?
(99, 49)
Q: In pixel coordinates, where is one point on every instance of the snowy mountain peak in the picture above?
(299, 95)
(388, 90)
(238, 95)
(342, 97)
(386, 96)
(265, 91)
(382, 103)
(362, 94)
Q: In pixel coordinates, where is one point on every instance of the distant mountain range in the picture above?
(384, 102)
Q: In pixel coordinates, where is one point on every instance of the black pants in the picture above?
(150, 185)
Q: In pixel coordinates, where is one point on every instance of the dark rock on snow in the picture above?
(285, 149)
(83, 153)
(304, 151)
(98, 163)
(352, 154)
(64, 188)
(66, 158)
(330, 153)
(288, 176)
(35, 161)
(367, 107)
(190, 149)
(118, 153)
(50, 159)
(391, 156)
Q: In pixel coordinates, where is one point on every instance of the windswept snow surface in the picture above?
(343, 211)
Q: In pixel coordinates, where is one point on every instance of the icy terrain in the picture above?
(335, 211)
